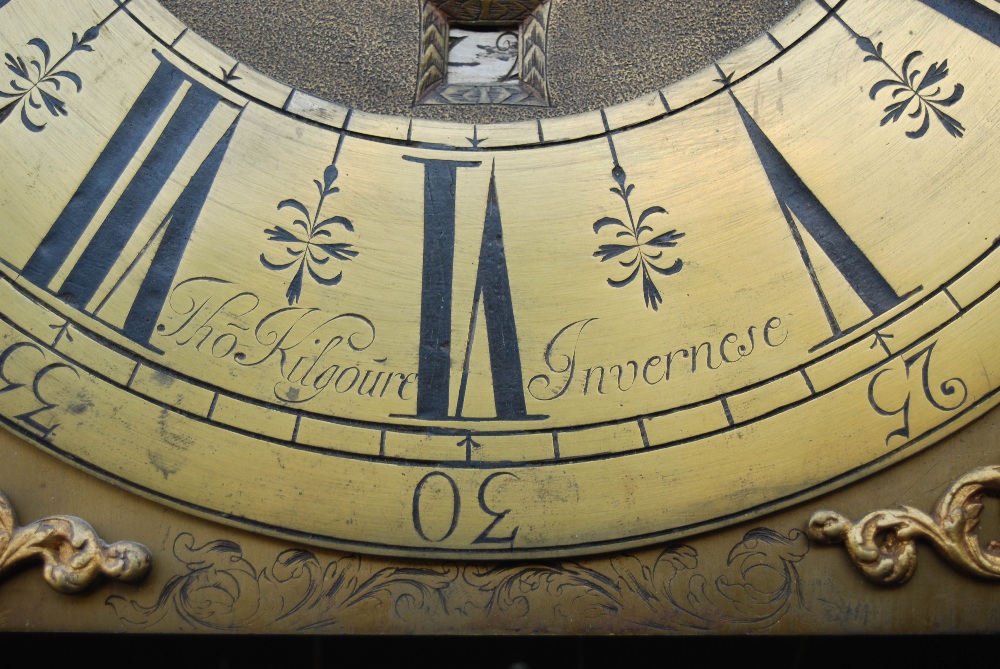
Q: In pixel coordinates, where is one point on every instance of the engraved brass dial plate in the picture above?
(550, 337)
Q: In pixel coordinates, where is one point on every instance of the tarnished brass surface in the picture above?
(503, 348)
(73, 554)
(212, 578)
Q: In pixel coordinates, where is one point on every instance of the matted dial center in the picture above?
(366, 55)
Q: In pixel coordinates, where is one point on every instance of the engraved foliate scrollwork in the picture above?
(883, 543)
(72, 553)
(222, 590)
(668, 589)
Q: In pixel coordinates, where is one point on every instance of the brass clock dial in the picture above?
(560, 335)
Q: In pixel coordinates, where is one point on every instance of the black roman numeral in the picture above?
(101, 252)
(492, 293)
(970, 15)
(795, 198)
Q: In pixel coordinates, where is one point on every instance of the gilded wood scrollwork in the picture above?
(73, 555)
(883, 543)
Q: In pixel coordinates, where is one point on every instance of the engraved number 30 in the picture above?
(449, 499)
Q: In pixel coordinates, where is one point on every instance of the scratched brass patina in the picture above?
(459, 351)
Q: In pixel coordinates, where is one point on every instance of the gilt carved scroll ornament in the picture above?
(74, 556)
(883, 543)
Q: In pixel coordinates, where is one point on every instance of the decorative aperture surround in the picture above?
(527, 20)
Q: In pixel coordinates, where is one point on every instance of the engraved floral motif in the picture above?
(36, 87)
(638, 247)
(221, 590)
(309, 241)
(73, 555)
(916, 96)
(883, 543)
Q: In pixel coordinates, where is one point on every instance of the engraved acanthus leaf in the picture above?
(883, 543)
(668, 590)
(222, 590)
(73, 555)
